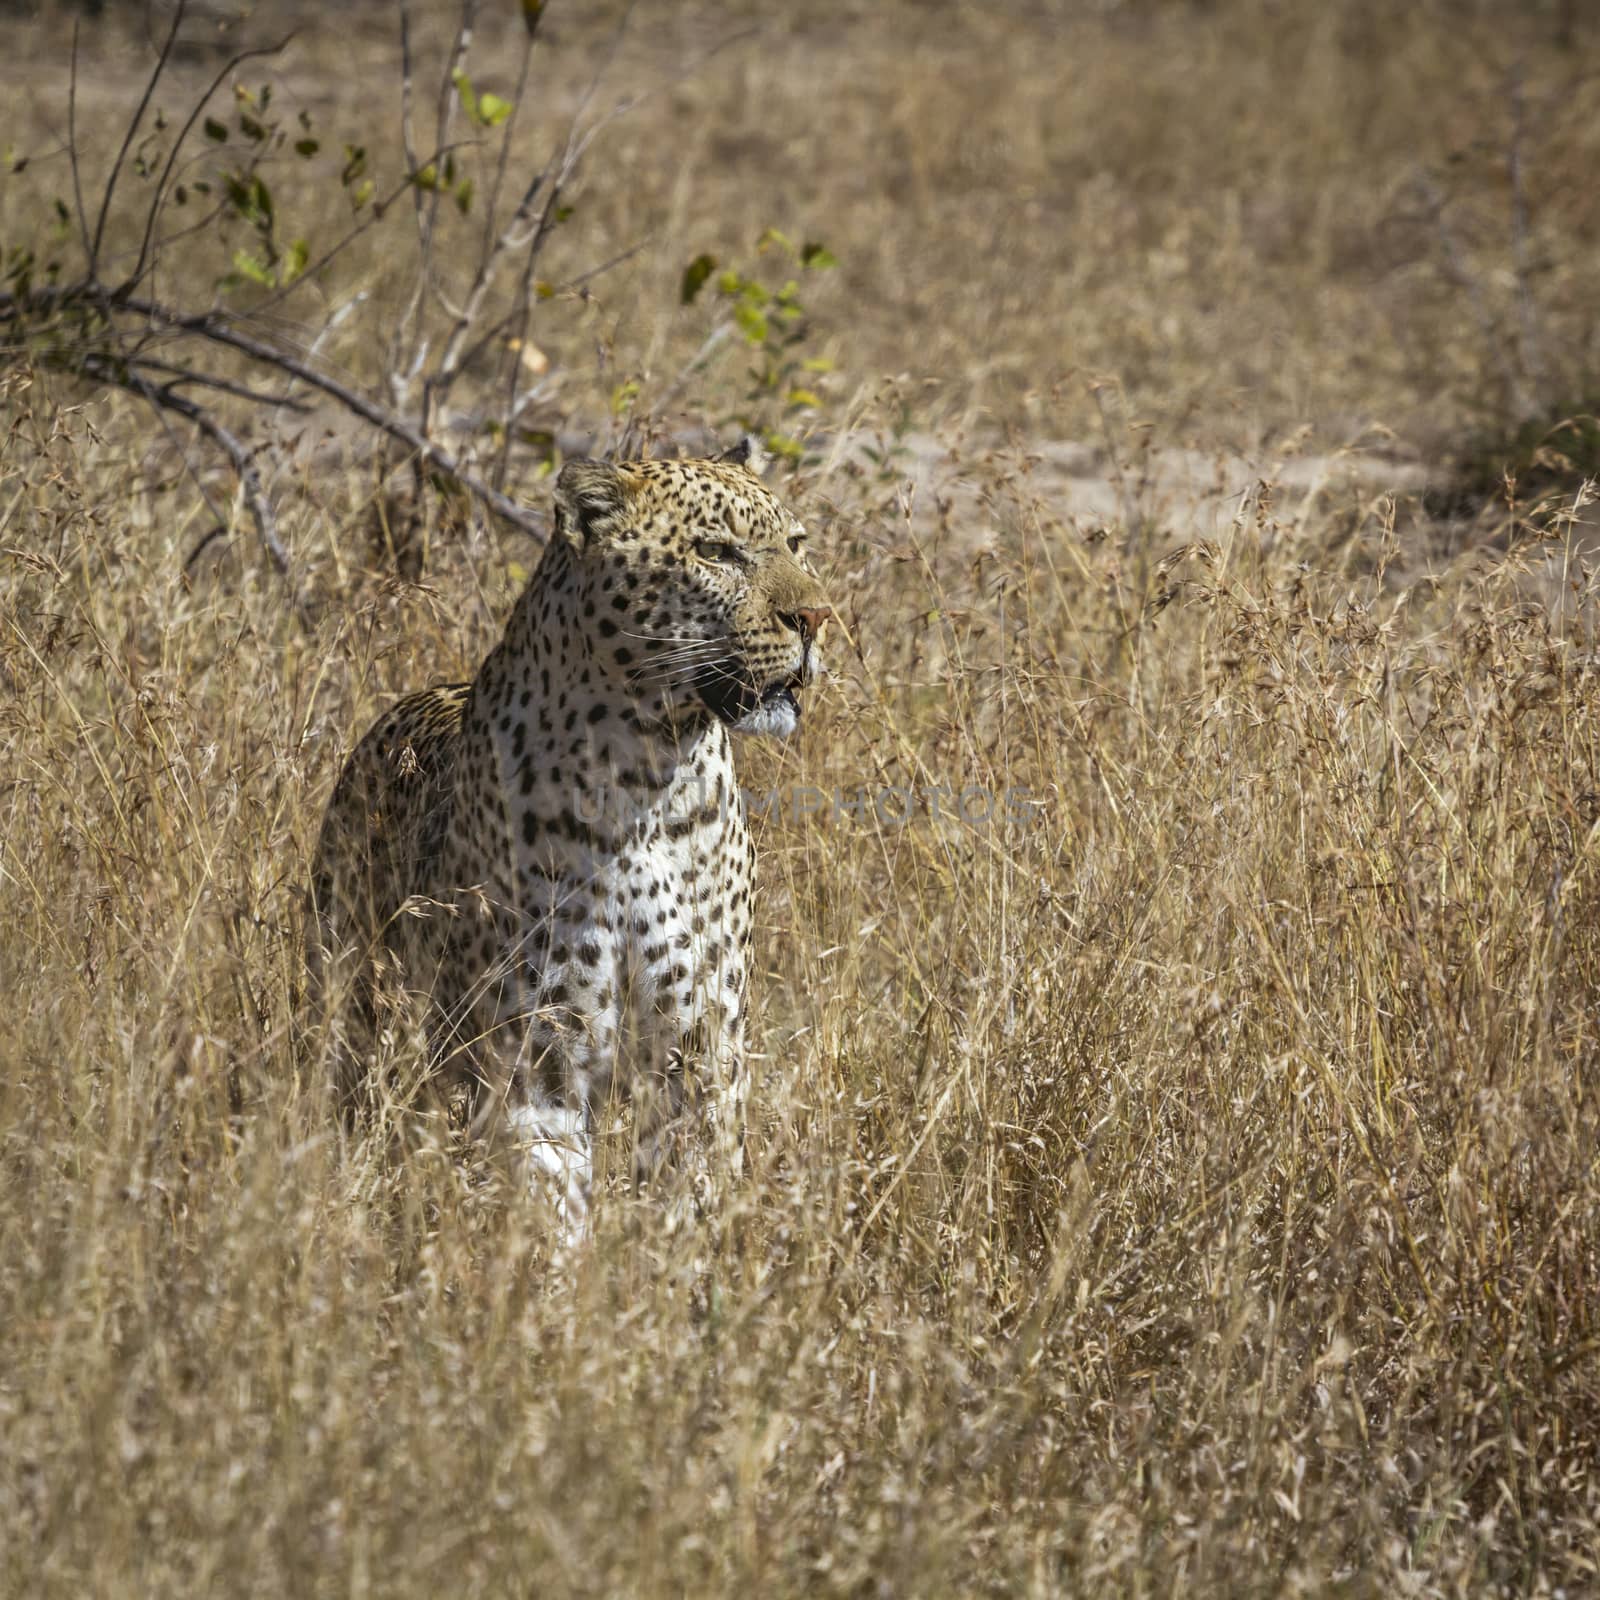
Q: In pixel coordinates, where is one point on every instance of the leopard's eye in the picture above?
(795, 541)
(720, 551)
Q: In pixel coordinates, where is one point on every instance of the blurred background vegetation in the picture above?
(1250, 216)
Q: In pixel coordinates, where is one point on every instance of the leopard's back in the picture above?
(378, 855)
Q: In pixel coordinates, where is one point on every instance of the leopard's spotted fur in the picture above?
(555, 855)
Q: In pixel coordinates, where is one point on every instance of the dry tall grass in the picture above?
(1195, 1188)
(1192, 1192)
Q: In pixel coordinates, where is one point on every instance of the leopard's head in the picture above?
(693, 585)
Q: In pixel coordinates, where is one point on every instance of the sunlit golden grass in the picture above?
(1186, 1185)
(1194, 1189)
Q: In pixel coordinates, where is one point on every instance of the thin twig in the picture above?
(491, 209)
(400, 332)
(407, 85)
(403, 364)
(501, 328)
(572, 151)
(451, 361)
(694, 364)
(203, 223)
(72, 151)
(523, 311)
(232, 65)
(178, 376)
(610, 263)
(445, 113)
(128, 136)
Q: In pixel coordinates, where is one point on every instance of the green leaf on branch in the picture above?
(772, 322)
(215, 131)
(623, 396)
(487, 110)
(294, 261)
(752, 321)
(694, 277)
(250, 268)
(251, 198)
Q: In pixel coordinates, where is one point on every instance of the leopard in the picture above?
(553, 863)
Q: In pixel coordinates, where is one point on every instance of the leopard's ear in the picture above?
(590, 497)
(749, 454)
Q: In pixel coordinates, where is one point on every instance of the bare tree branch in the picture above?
(209, 325)
(179, 376)
(125, 332)
(406, 359)
(166, 399)
(444, 114)
(492, 207)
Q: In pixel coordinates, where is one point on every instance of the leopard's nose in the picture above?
(808, 621)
